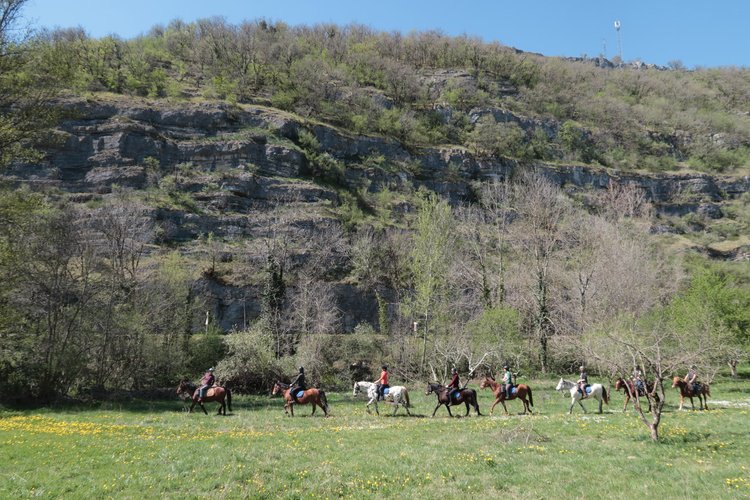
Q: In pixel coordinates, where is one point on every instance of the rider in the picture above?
(638, 381)
(382, 383)
(206, 382)
(298, 383)
(454, 383)
(692, 380)
(507, 381)
(583, 381)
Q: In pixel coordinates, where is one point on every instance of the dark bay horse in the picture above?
(686, 390)
(497, 388)
(465, 396)
(215, 393)
(313, 396)
(628, 387)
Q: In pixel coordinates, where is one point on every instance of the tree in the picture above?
(431, 256)
(543, 213)
(657, 347)
(24, 90)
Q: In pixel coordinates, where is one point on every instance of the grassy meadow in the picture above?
(156, 449)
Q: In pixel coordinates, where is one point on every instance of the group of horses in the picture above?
(398, 396)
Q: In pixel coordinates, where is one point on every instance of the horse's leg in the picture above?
(436, 408)
(203, 408)
(493, 405)
(447, 407)
(192, 406)
(600, 405)
(692, 404)
(572, 403)
(377, 410)
(467, 408)
(581, 403)
(705, 400)
(505, 408)
(291, 408)
(627, 398)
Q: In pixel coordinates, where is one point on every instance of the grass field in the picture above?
(145, 449)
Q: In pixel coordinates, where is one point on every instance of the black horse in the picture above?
(450, 397)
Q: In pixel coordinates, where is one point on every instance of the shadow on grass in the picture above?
(141, 406)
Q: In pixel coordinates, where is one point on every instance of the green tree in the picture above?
(431, 256)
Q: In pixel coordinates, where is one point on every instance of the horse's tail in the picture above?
(229, 399)
(708, 390)
(406, 396)
(324, 400)
(531, 398)
(604, 395)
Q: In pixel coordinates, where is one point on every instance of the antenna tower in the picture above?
(619, 41)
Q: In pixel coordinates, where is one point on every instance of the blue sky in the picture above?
(704, 33)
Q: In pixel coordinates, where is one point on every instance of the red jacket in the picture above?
(454, 381)
(208, 379)
(383, 378)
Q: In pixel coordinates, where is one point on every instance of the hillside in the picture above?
(319, 190)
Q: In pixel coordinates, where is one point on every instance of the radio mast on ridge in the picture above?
(618, 24)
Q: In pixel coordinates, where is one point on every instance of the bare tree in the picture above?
(543, 213)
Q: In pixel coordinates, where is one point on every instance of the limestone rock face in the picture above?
(248, 177)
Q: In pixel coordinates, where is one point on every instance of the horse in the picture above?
(397, 395)
(628, 387)
(521, 390)
(686, 390)
(444, 396)
(597, 391)
(214, 393)
(313, 396)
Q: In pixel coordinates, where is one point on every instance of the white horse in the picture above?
(597, 391)
(397, 395)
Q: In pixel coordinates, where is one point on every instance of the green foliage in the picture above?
(250, 364)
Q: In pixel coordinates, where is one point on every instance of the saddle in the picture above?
(299, 393)
(386, 391)
(209, 392)
(587, 392)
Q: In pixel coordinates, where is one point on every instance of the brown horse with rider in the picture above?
(215, 393)
(522, 390)
(313, 396)
(448, 397)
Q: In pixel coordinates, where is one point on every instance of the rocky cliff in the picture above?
(247, 174)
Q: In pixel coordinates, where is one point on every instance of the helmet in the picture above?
(693, 367)
(506, 367)
(453, 370)
(384, 368)
(582, 368)
(301, 369)
(211, 369)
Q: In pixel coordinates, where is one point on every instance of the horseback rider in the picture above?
(206, 382)
(454, 385)
(382, 383)
(298, 384)
(583, 381)
(692, 380)
(507, 381)
(640, 386)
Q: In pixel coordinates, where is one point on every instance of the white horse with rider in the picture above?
(397, 395)
(597, 391)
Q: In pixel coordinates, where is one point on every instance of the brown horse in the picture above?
(465, 396)
(686, 390)
(497, 388)
(315, 397)
(215, 393)
(628, 387)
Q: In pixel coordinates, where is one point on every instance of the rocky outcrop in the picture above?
(243, 168)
